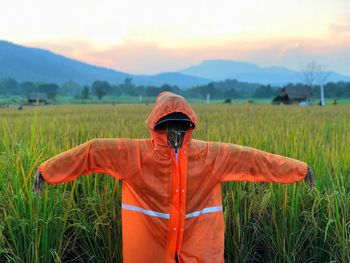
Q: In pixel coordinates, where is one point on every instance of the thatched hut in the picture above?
(35, 98)
(293, 95)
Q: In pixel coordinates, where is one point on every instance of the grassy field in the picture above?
(79, 221)
(15, 100)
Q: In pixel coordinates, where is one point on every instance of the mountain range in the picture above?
(226, 69)
(35, 64)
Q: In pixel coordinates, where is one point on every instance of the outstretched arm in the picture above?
(240, 163)
(97, 155)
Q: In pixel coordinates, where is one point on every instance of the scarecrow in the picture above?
(171, 184)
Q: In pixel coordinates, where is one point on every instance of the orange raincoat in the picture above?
(171, 204)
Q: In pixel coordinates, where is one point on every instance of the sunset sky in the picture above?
(154, 36)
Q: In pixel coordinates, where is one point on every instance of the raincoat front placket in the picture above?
(178, 202)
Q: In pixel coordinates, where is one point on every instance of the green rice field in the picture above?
(80, 221)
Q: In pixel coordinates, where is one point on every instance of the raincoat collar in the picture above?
(167, 103)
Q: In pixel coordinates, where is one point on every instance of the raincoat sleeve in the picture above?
(94, 156)
(240, 163)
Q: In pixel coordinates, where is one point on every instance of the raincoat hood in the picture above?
(166, 103)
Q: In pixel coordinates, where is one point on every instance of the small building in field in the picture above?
(40, 98)
(293, 95)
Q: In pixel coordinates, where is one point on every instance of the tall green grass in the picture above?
(80, 221)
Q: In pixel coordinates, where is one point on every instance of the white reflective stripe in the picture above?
(206, 210)
(145, 211)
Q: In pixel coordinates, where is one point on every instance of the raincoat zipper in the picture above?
(177, 177)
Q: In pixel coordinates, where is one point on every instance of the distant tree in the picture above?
(100, 88)
(152, 91)
(264, 92)
(221, 89)
(166, 87)
(231, 93)
(314, 73)
(210, 89)
(335, 90)
(128, 88)
(116, 90)
(8, 86)
(70, 88)
(171, 88)
(128, 81)
(85, 93)
(27, 87)
(50, 89)
(140, 90)
(309, 73)
(344, 89)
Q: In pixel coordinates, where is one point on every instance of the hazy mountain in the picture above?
(174, 78)
(34, 64)
(226, 69)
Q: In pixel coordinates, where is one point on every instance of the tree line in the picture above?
(228, 89)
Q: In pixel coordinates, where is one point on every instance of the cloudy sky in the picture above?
(153, 36)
